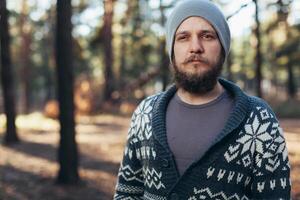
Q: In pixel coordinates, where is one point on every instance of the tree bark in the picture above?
(49, 56)
(123, 49)
(122, 61)
(108, 53)
(258, 57)
(291, 86)
(7, 77)
(25, 61)
(67, 153)
(164, 59)
(229, 64)
(164, 65)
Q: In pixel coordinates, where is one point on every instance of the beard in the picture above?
(198, 83)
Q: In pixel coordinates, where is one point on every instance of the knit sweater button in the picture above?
(165, 163)
(174, 196)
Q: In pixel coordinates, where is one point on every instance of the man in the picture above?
(203, 138)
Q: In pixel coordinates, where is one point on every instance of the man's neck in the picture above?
(198, 99)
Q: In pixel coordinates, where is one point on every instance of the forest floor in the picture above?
(28, 169)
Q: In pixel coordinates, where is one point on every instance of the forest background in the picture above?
(72, 72)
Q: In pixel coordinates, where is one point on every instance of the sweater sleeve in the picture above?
(271, 175)
(130, 181)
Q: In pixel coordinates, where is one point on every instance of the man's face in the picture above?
(198, 55)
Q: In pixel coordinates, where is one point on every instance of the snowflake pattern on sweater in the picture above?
(249, 160)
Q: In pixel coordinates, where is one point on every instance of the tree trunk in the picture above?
(291, 86)
(258, 58)
(48, 56)
(25, 62)
(164, 65)
(229, 64)
(164, 59)
(7, 77)
(123, 49)
(122, 62)
(67, 153)
(108, 53)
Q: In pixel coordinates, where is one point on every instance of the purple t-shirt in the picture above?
(191, 129)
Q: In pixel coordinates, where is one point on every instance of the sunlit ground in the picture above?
(292, 134)
(28, 169)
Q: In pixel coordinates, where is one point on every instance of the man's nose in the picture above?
(196, 45)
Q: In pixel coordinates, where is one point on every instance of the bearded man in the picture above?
(203, 138)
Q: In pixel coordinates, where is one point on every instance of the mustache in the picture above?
(196, 57)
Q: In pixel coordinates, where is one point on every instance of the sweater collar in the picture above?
(240, 110)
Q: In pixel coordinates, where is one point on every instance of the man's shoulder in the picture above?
(147, 103)
(259, 102)
(153, 97)
(259, 105)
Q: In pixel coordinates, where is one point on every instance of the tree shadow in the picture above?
(49, 152)
(18, 184)
(98, 128)
(102, 125)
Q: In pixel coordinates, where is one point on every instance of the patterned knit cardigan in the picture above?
(248, 160)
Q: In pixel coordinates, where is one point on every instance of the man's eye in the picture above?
(208, 36)
(181, 38)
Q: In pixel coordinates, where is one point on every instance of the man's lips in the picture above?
(197, 62)
(196, 59)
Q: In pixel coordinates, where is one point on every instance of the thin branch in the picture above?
(140, 81)
(237, 11)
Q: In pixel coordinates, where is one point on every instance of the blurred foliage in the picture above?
(287, 109)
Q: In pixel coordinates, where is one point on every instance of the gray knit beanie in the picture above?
(202, 8)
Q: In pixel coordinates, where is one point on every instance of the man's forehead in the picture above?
(195, 22)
